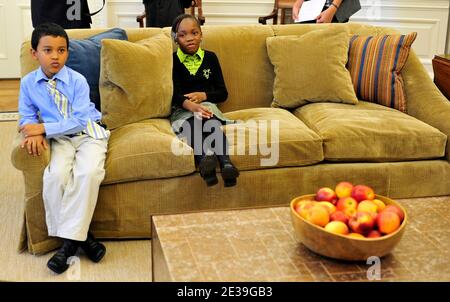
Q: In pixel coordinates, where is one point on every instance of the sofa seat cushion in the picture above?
(143, 150)
(271, 137)
(371, 132)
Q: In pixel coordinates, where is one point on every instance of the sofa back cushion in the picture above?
(246, 68)
(311, 68)
(136, 80)
(84, 57)
(376, 63)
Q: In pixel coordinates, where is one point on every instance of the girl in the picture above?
(198, 85)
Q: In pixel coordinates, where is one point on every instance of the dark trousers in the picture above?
(161, 13)
(208, 130)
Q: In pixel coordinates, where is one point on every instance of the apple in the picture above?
(326, 194)
(362, 222)
(345, 203)
(350, 212)
(328, 205)
(388, 222)
(337, 227)
(356, 235)
(380, 205)
(362, 192)
(343, 189)
(303, 207)
(318, 216)
(367, 206)
(339, 216)
(395, 209)
(374, 234)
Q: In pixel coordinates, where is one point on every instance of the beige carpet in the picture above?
(124, 261)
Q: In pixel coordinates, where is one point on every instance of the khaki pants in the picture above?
(71, 184)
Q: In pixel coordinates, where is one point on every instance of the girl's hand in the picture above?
(198, 110)
(196, 97)
(296, 9)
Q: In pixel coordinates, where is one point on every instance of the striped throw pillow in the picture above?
(375, 64)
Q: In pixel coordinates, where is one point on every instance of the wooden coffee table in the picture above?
(260, 245)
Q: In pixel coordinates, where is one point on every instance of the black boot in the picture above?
(207, 167)
(58, 262)
(93, 249)
(228, 170)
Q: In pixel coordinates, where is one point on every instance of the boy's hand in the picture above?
(32, 129)
(35, 144)
(196, 97)
(201, 110)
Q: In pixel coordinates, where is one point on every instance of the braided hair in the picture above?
(177, 21)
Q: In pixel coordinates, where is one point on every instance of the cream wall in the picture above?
(429, 18)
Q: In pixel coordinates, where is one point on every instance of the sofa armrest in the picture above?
(31, 166)
(424, 100)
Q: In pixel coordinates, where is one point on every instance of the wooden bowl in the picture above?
(340, 246)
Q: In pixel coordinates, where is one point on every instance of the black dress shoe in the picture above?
(229, 173)
(93, 249)
(207, 168)
(58, 262)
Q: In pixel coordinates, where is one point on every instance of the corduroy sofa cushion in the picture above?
(371, 132)
(375, 64)
(143, 150)
(251, 139)
(136, 80)
(311, 68)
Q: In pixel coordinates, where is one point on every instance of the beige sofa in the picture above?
(399, 155)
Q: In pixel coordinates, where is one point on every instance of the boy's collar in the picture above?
(62, 75)
(182, 56)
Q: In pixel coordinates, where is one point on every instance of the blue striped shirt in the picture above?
(35, 102)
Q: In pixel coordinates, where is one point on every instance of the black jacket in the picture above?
(161, 13)
(208, 79)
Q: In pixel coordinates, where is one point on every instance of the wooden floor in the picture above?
(9, 95)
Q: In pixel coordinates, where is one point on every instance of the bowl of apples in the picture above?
(349, 222)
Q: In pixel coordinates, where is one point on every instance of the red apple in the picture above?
(303, 207)
(388, 222)
(362, 222)
(362, 192)
(343, 189)
(395, 209)
(367, 206)
(326, 194)
(318, 215)
(374, 234)
(345, 203)
(337, 227)
(356, 235)
(339, 216)
(328, 205)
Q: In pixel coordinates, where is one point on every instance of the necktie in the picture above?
(92, 129)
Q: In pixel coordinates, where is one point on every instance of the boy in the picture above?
(54, 104)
